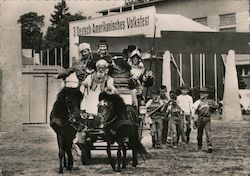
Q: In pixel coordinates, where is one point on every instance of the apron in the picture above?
(90, 100)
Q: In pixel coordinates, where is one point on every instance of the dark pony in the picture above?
(65, 112)
(120, 122)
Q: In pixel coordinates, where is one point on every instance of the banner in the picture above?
(131, 23)
(135, 22)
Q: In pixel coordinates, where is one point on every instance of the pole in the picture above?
(200, 70)
(178, 71)
(47, 95)
(151, 55)
(181, 69)
(215, 76)
(191, 67)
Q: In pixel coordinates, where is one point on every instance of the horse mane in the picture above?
(118, 104)
(60, 105)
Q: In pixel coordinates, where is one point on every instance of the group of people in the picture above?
(98, 71)
(170, 117)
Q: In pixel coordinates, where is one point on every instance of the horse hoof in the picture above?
(69, 168)
(60, 171)
(118, 170)
(124, 167)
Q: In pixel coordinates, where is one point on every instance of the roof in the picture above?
(174, 22)
(130, 7)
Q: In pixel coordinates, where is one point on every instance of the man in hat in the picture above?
(185, 102)
(82, 67)
(156, 125)
(102, 53)
(201, 113)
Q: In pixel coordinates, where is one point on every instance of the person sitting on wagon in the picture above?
(91, 87)
(94, 84)
(82, 67)
(102, 53)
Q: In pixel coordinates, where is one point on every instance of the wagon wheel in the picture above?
(85, 154)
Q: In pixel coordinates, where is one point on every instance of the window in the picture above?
(202, 20)
(227, 19)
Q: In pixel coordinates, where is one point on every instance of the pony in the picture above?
(65, 119)
(120, 122)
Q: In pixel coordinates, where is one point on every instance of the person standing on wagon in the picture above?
(137, 70)
(185, 102)
(202, 117)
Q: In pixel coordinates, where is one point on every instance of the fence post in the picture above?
(55, 56)
(47, 56)
(191, 72)
(61, 58)
(41, 56)
(215, 76)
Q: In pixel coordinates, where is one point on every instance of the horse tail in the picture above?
(142, 151)
(139, 147)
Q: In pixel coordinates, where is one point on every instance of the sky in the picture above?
(10, 10)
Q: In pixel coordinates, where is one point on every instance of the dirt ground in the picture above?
(32, 151)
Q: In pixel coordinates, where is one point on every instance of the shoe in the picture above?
(210, 150)
(175, 147)
(187, 139)
(168, 140)
(159, 146)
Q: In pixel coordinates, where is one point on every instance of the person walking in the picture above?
(174, 113)
(156, 125)
(185, 102)
(201, 113)
(165, 98)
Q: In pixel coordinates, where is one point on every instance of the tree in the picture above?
(31, 24)
(57, 35)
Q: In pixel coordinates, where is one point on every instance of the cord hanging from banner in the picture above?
(178, 70)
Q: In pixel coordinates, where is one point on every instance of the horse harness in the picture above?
(118, 124)
(71, 120)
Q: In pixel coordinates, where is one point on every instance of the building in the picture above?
(220, 15)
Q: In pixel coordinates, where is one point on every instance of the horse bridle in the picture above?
(71, 118)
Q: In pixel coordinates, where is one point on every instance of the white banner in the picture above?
(135, 22)
(131, 23)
